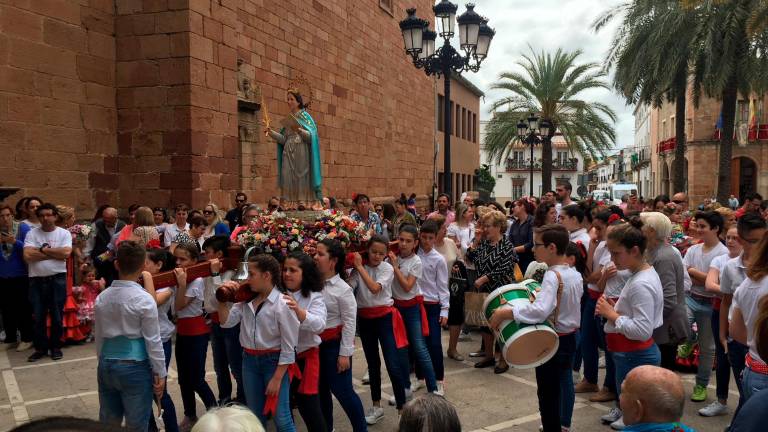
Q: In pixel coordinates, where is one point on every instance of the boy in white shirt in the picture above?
(707, 227)
(560, 295)
(131, 358)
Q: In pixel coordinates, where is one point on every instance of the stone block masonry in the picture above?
(137, 100)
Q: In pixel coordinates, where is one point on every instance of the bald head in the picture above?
(652, 394)
(681, 200)
(109, 216)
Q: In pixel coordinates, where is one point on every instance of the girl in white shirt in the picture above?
(379, 323)
(269, 333)
(302, 280)
(632, 319)
(338, 338)
(749, 302)
(191, 335)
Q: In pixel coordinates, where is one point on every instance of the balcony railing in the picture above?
(571, 164)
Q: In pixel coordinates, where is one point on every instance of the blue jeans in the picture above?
(589, 340)
(626, 361)
(340, 384)
(417, 347)
(125, 391)
(753, 382)
(227, 355)
(736, 357)
(169, 409)
(257, 372)
(435, 341)
(554, 382)
(47, 295)
(190, 363)
(700, 312)
(375, 331)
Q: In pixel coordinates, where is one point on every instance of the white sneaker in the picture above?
(23, 346)
(714, 409)
(601, 363)
(416, 385)
(408, 397)
(366, 378)
(618, 424)
(613, 415)
(440, 389)
(374, 414)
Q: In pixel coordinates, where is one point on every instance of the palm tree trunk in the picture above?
(546, 166)
(678, 170)
(729, 97)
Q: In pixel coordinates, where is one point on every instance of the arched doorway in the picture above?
(664, 177)
(743, 176)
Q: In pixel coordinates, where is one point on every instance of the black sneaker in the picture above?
(56, 354)
(37, 355)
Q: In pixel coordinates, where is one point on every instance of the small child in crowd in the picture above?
(86, 294)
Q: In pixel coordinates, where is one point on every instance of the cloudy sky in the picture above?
(547, 25)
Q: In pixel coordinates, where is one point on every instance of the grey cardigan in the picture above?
(669, 265)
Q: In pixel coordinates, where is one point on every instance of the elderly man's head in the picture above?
(651, 394)
(109, 216)
(681, 201)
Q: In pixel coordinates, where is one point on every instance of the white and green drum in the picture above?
(524, 345)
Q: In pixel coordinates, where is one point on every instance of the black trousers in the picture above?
(308, 405)
(668, 356)
(548, 377)
(16, 309)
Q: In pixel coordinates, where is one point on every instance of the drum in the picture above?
(524, 345)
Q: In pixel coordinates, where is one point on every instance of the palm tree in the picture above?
(651, 52)
(730, 60)
(550, 86)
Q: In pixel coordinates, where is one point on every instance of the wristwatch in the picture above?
(43, 246)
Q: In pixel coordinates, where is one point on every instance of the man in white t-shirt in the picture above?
(46, 250)
(707, 226)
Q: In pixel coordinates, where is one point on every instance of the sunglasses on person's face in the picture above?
(239, 200)
(678, 201)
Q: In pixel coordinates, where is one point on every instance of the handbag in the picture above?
(473, 308)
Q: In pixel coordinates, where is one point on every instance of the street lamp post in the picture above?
(533, 132)
(474, 39)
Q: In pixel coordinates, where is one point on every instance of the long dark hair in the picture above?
(336, 250)
(310, 275)
(540, 216)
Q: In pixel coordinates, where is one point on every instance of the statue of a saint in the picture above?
(298, 153)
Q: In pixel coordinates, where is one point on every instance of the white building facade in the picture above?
(640, 153)
(513, 178)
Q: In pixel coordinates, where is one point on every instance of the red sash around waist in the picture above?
(270, 404)
(261, 352)
(756, 365)
(310, 374)
(594, 294)
(333, 333)
(214, 317)
(192, 326)
(418, 300)
(398, 326)
(617, 342)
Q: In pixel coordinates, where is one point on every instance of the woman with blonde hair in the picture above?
(729, 218)
(216, 225)
(495, 259)
(144, 228)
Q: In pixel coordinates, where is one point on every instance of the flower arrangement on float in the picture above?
(81, 232)
(332, 224)
(274, 234)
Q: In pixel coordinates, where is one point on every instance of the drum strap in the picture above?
(556, 312)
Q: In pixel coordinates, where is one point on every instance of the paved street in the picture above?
(485, 401)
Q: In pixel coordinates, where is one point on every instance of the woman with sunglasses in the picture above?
(216, 225)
